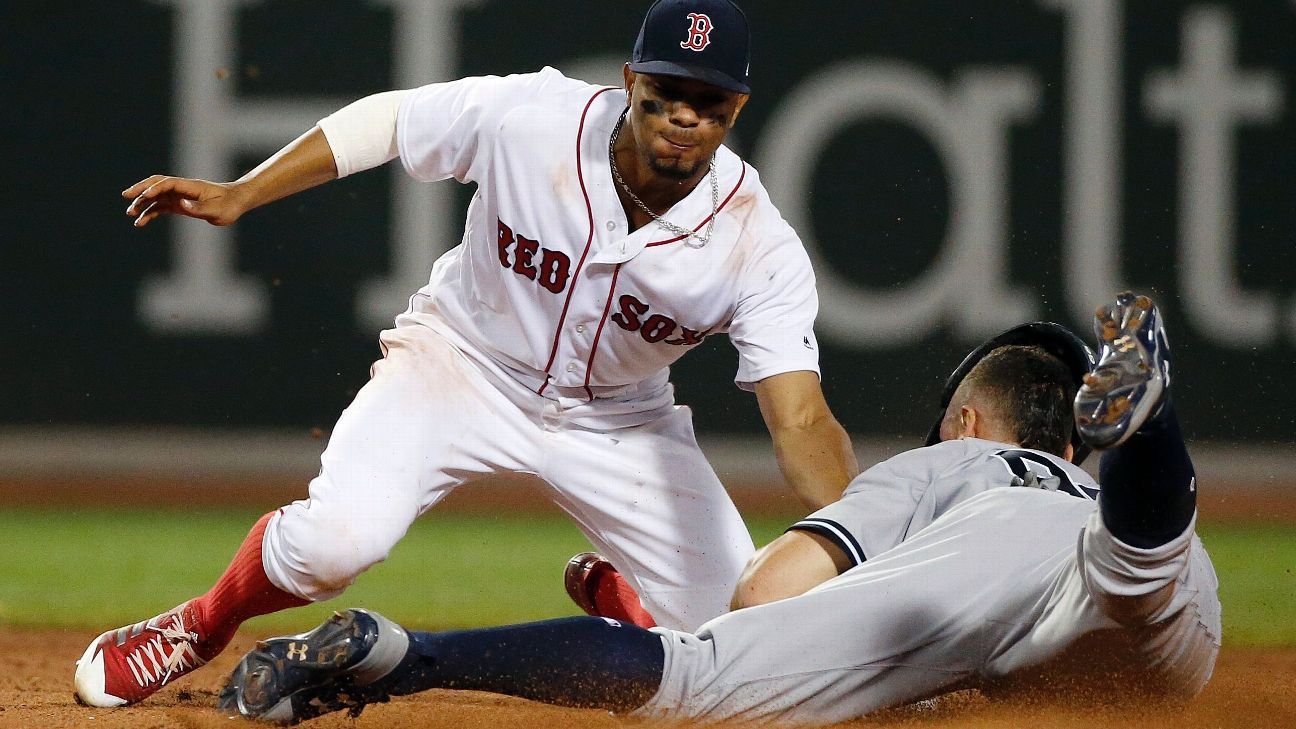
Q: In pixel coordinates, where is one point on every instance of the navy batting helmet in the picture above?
(1055, 339)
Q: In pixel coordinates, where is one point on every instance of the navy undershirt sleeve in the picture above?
(1149, 487)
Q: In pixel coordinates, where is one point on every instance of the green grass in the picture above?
(99, 569)
(1257, 572)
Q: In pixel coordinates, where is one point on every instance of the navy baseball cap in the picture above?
(705, 40)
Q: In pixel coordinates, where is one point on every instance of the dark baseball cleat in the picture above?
(332, 668)
(1132, 376)
(581, 576)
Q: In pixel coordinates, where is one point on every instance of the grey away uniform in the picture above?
(962, 581)
(899, 497)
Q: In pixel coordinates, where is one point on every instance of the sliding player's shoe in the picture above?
(1132, 377)
(290, 679)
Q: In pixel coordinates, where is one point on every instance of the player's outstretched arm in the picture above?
(304, 163)
(787, 567)
(814, 453)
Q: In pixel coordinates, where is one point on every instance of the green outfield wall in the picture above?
(955, 167)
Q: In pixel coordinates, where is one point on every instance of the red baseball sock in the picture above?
(616, 599)
(241, 593)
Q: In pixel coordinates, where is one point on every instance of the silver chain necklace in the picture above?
(689, 235)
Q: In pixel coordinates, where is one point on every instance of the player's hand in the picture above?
(214, 202)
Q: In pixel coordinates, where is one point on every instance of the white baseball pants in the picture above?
(430, 420)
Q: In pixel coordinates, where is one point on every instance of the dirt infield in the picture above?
(1251, 689)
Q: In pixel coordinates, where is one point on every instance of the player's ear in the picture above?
(740, 102)
(970, 422)
(1069, 453)
(628, 78)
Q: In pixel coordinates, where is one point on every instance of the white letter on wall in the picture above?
(967, 126)
(426, 49)
(1208, 98)
(204, 292)
(1092, 173)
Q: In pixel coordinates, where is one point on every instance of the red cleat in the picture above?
(597, 588)
(129, 664)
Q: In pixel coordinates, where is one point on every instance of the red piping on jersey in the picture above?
(589, 209)
(732, 192)
(589, 364)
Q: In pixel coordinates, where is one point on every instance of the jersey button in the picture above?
(571, 366)
(611, 225)
(580, 328)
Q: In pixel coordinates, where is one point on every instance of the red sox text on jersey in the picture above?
(553, 270)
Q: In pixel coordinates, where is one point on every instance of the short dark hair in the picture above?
(1031, 392)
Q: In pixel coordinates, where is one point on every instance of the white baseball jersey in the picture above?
(540, 348)
(550, 283)
(1008, 589)
(900, 496)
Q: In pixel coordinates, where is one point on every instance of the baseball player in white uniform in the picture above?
(610, 233)
(987, 560)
